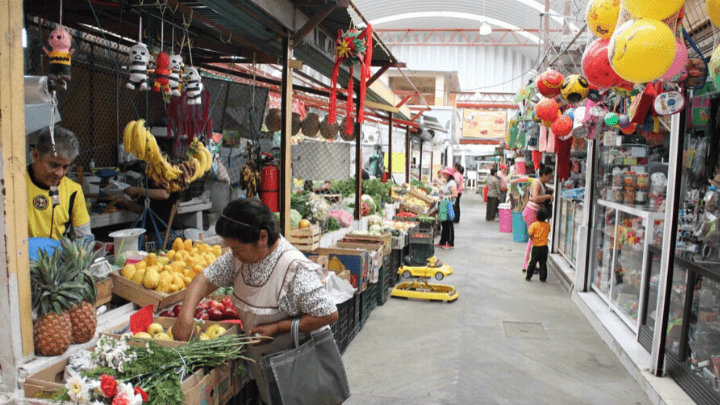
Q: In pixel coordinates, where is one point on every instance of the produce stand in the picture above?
(137, 294)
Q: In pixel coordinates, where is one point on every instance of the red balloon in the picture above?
(629, 130)
(547, 109)
(562, 126)
(596, 65)
(549, 83)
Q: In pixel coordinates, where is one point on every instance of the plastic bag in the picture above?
(339, 290)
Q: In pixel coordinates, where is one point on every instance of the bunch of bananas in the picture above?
(140, 142)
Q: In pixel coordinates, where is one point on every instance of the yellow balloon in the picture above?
(602, 17)
(713, 9)
(642, 50)
(653, 9)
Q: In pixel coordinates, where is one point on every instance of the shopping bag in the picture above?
(450, 212)
(442, 210)
(309, 374)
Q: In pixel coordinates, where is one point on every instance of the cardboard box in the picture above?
(385, 238)
(120, 329)
(376, 253)
(199, 388)
(142, 296)
(353, 260)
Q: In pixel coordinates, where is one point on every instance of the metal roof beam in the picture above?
(455, 36)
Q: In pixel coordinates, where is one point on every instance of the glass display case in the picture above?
(677, 300)
(568, 223)
(621, 239)
(693, 336)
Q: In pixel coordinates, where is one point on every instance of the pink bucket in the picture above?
(520, 166)
(505, 218)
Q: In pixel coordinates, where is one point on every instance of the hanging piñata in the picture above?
(351, 47)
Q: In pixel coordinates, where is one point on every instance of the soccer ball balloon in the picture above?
(574, 89)
(549, 83)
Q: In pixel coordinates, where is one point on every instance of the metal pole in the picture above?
(408, 153)
(390, 142)
(358, 159)
(420, 162)
(285, 144)
(657, 359)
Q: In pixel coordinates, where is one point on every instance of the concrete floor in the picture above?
(504, 341)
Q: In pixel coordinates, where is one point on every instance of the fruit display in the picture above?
(176, 269)
(407, 215)
(157, 332)
(208, 311)
(138, 140)
(62, 288)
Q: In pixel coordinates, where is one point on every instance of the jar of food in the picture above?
(640, 197)
(617, 195)
(629, 179)
(617, 179)
(643, 181)
(629, 195)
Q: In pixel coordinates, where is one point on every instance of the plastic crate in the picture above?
(354, 322)
(248, 395)
(421, 237)
(426, 226)
(419, 253)
(384, 282)
(368, 302)
(395, 259)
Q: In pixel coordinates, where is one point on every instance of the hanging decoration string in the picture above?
(61, 10)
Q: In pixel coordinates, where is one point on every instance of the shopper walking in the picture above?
(539, 232)
(449, 191)
(458, 176)
(494, 192)
(539, 196)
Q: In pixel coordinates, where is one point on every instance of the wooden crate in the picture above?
(421, 196)
(117, 331)
(305, 239)
(385, 238)
(142, 296)
(104, 289)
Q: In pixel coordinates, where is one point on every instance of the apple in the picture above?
(215, 314)
(204, 316)
(176, 310)
(229, 313)
(227, 302)
(168, 314)
(202, 305)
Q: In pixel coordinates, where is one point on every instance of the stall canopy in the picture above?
(224, 31)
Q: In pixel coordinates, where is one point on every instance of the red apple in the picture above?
(229, 313)
(203, 305)
(215, 314)
(227, 302)
(176, 310)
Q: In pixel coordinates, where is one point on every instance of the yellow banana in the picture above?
(197, 169)
(139, 139)
(208, 158)
(127, 136)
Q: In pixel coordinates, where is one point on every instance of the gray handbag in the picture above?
(309, 374)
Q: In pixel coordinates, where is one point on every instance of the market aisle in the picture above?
(475, 351)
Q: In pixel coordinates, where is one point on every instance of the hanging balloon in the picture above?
(629, 130)
(596, 65)
(575, 88)
(713, 9)
(625, 89)
(653, 9)
(623, 121)
(642, 50)
(611, 119)
(714, 66)
(570, 112)
(549, 83)
(562, 126)
(602, 16)
(681, 57)
(547, 110)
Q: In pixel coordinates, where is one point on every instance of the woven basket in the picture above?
(327, 130)
(343, 135)
(296, 120)
(273, 120)
(311, 125)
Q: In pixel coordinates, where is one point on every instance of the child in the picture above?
(539, 234)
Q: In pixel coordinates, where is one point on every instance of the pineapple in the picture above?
(83, 315)
(52, 331)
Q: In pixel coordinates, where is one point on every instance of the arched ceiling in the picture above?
(522, 14)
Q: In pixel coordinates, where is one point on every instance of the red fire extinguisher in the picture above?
(270, 187)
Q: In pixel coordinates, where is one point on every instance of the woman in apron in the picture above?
(273, 283)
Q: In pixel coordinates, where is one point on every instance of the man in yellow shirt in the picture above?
(56, 204)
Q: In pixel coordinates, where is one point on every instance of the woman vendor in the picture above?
(273, 283)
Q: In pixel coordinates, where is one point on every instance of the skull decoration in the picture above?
(139, 58)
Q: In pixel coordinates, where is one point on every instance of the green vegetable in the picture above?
(333, 224)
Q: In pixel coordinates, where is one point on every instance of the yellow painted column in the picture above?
(12, 139)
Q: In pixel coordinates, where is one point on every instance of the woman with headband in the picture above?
(273, 283)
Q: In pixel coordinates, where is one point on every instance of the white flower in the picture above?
(97, 403)
(136, 400)
(77, 388)
(127, 389)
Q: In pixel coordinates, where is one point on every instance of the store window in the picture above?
(571, 207)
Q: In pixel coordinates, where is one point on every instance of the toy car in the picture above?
(434, 268)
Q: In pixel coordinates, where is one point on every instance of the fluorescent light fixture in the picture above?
(23, 38)
(485, 29)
